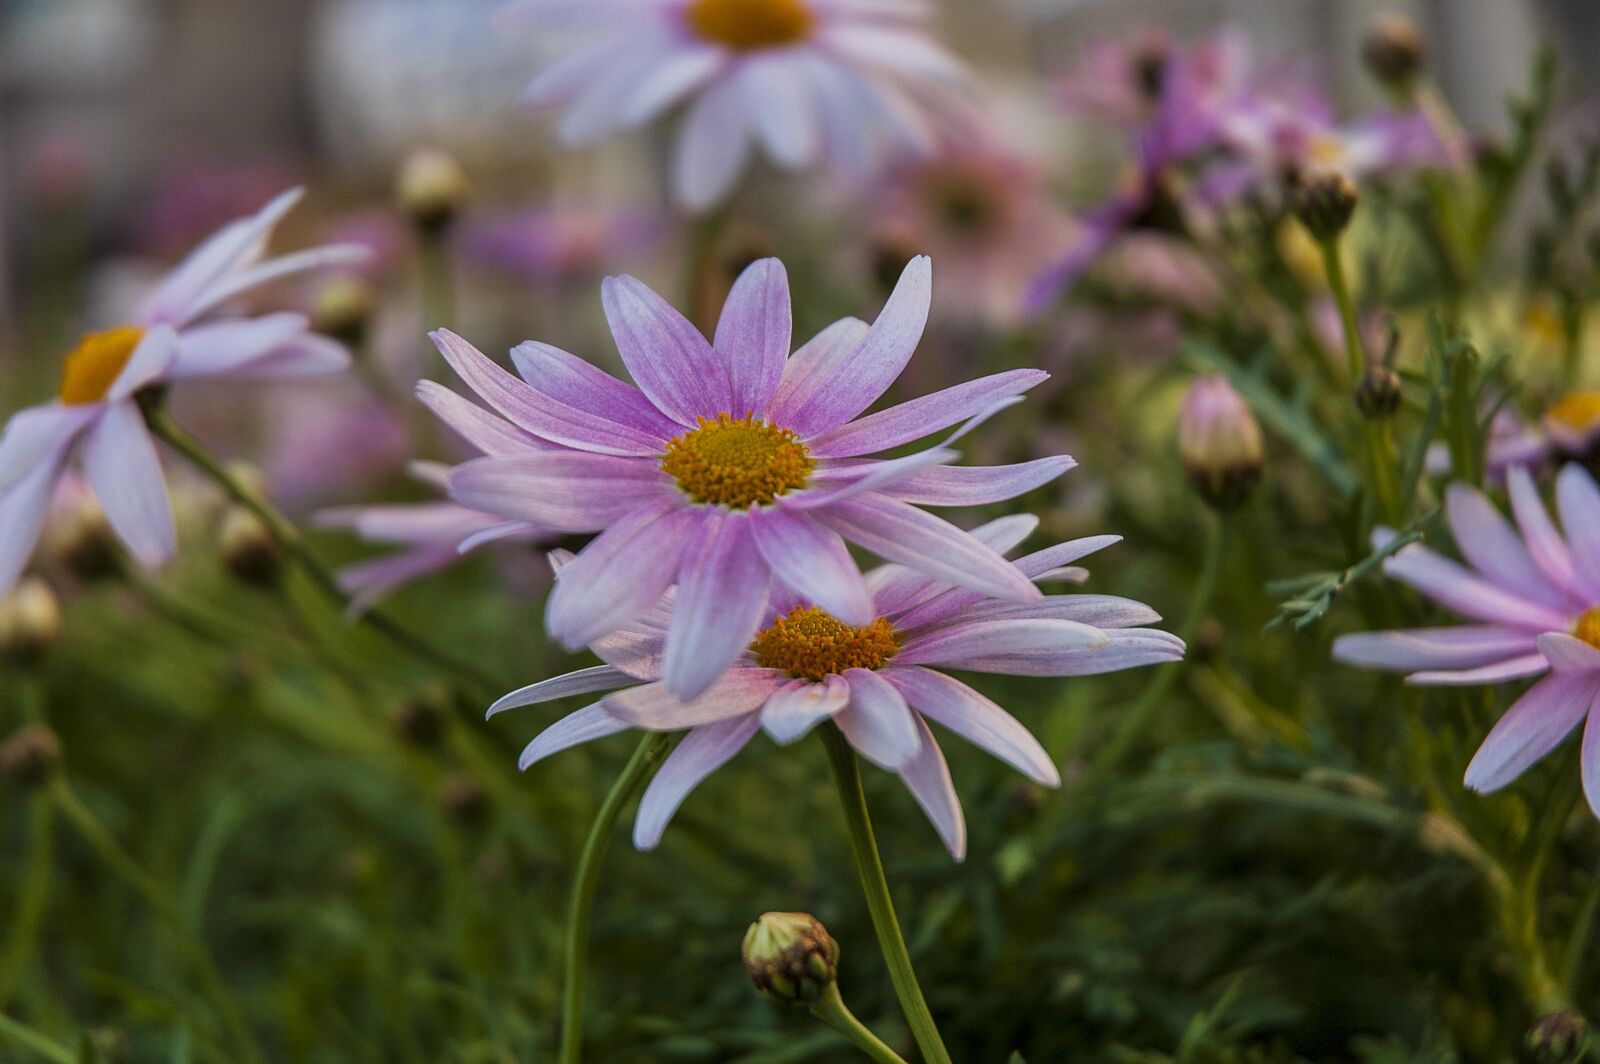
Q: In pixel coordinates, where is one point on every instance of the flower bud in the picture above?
(30, 622)
(1378, 394)
(248, 550)
(1393, 51)
(1323, 199)
(343, 309)
(31, 756)
(790, 956)
(1558, 1036)
(1219, 442)
(431, 188)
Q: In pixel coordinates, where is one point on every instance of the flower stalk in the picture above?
(869, 868)
(831, 1010)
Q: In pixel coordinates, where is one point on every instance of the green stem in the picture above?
(832, 1011)
(869, 869)
(438, 284)
(287, 536)
(33, 899)
(120, 862)
(28, 1038)
(1355, 360)
(652, 749)
(1133, 722)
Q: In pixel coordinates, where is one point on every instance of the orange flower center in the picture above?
(1588, 627)
(1578, 412)
(809, 644)
(737, 462)
(94, 365)
(751, 24)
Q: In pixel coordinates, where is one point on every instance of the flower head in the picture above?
(181, 330)
(790, 956)
(876, 680)
(734, 468)
(1219, 442)
(1532, 596)
(845, 80)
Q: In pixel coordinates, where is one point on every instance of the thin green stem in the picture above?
(33, 898)
(832, 1011)
(1138, 716)
(106, 847)
(650, 752)
(869, 869)
(28, 1038)
(283, 531)
(438, 282)
(1355, 359)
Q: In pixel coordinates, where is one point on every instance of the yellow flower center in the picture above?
(1588, 627)
(809, 644)
(93, 366)
(1577, 411)
(737, 462)
(751, 24)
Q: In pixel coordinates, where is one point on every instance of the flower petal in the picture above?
(978, 720)
(924, 415)
(702, 752)
(1579, 501)
(753, 335)
(713, 147)
(567, 491)
(670, 361)
(837, 389)
(800, 705)
(977, 485)
(877, 721)
(40, 435)
(825, 354)
(897, 588)
(23, 506)
(1566, 654)
(488, 432)
(927, 777)
(568, 379)
(217, 255)
(783, 112)
(1124, 648)
(740, 690)
(722, 591)
(123, 468)
(1531, 728)
(580, 682)
(1457, 588)
(1545, 544)
(618, 576)
(814, 562)
(1495, 672)
(1457, 647)
(993, 638)
(579, 726)
(1487, 540)
(150, 361)
(535, 412)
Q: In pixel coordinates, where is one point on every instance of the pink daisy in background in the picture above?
(432, 536)
(733, 465)
(182, 330)
(875, 680)
(850, 81)
(1535, 597)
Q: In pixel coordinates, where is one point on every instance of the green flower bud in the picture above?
(791, 957)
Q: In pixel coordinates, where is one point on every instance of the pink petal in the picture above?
(619, 575)
(1488, 542)
(927, 777)
(992, 638)
(782, 111)
(701, 753)
(568, 379)
(1496, 672)
(813, 562)
(1455, 587)
(568, 491)
(217, 255)
(1566, 654)
(1531, 728)
(878, 722)
(668, 358)
(1124, 648)
(123, 468)
(1545, 544)
(1590, 759)
(40, 435)
(896, 588)
(800, 705)
(1579, 501)
(713, 147)
(739, 691)
(1458, 647)
(978, 485)
(580, 726)
(23, 506)
(671, 81)
(488, 432)
(150, 361)
(581, 682)
(976, 719)
(922, 416)
(753, 335)
(722, 589)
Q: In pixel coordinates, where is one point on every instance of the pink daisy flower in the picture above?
(732, 466)
(181, 330)
(875, 680)
(432, 536)
(804, 79)
(1532, 594)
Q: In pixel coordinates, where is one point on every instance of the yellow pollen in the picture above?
(93, 366)
(737, 462)
(809, 644)
(1588, 627)
(1578, 411)
(751, 24)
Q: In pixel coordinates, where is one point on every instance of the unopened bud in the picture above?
(1323, 199)
(31, 756)
(1378, 394)
(343, 309)
(1393, 51)
(247, 548)
(1558, 1036)
(30, 622)
(431, 188)
(791, 956)
(1219, 442)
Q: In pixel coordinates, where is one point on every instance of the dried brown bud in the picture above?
(1378, 395)
(1219, 442)
(30, 622)
(791, 956)
(248, 549)
(1323, 200)
(1393, 51)
(431, 188)
(31, 756)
